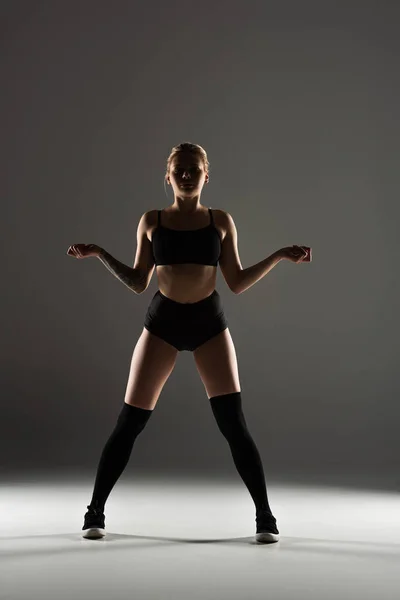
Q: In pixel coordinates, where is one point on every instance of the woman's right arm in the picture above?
(131, 277)
(138, 277)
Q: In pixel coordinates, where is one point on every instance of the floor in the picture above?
(194, 540)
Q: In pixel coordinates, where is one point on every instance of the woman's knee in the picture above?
(228, 413)
(133, 418)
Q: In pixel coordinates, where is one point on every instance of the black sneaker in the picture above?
(267, 530)
(94, 524)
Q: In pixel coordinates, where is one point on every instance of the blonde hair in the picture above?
(187, 147)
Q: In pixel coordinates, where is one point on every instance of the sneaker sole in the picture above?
(265, 537)
(94, 533)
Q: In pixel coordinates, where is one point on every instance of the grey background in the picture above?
(296, 104)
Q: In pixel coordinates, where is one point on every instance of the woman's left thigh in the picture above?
(217, 365)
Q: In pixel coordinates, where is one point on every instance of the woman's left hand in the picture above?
(295, 254)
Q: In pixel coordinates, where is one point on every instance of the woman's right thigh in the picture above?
(153, 361)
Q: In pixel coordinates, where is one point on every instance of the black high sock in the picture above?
(227, 410)
(117, 450)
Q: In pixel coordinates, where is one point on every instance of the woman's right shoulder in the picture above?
(150, 216)
(152, 213)
(148, 221)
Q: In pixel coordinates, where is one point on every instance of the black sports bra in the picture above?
(179, 246)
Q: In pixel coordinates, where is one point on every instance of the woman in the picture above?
(184, 242)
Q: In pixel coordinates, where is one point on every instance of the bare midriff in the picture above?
(186, 283)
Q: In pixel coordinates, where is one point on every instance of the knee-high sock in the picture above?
(227, 410)
(117, 450)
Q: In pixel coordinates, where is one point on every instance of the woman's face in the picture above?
(187, 170)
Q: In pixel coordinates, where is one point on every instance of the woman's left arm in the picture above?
(237, 278)
(248, 277)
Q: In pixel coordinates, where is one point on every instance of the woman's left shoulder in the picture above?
(221, 220)
(219, 215)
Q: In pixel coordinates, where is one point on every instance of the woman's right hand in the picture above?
(295, 254)
(83, 250)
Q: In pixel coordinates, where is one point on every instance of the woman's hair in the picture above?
(188, 147)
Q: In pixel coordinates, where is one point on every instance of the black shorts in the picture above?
(185, 326)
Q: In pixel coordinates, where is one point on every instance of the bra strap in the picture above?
(211, 216)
